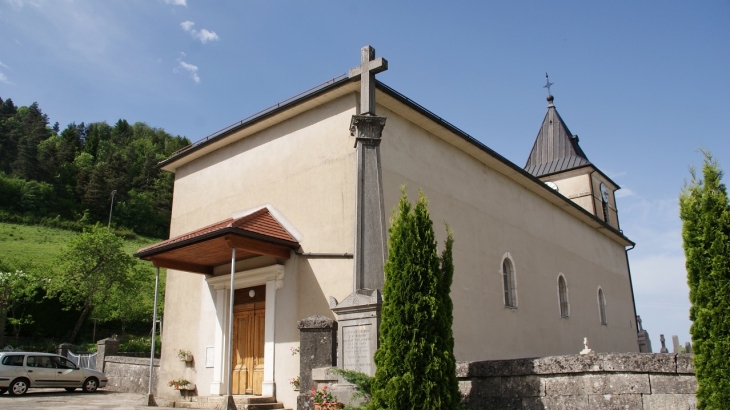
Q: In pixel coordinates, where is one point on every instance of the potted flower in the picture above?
(181, 384)
(294, 381)
(324, 400)
(184, 355)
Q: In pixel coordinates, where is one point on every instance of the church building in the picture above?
(284, 215)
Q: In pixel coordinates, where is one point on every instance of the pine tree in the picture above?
(415, 361)
(705, 214)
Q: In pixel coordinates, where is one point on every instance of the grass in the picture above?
(39, 245)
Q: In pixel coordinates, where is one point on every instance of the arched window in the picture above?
(508, 283)
(602, 306)
(563, 297)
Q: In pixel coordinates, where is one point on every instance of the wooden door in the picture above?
(248, 348)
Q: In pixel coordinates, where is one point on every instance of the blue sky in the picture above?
(644, 84)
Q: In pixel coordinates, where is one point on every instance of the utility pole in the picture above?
(111, 208)
(93, 337)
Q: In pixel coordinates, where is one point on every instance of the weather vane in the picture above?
(548, 83)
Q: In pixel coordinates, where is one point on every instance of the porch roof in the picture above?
(199, 251)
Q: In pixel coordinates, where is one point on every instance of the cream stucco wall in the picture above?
(491, 215)
(304, 167)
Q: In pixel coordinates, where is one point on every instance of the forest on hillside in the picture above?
(65, 178)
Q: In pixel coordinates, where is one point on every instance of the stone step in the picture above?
(261, 406)
(242, 403)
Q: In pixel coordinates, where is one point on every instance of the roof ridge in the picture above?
(242, 220)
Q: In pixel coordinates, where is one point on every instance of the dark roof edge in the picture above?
(433, 117)
(213, 235)
(265, 113)
(590, 164)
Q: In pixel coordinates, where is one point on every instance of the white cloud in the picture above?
(189, 68)
(3, 65)
(624, 192)
(18, 4)
(187, 25)
(657, 265)
(177, 2)
(203, 35)
(206, 36)
(4, 79)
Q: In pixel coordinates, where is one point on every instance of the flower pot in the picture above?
(190, 386)
(189, 358)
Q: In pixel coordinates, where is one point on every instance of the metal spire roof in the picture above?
(555, 149)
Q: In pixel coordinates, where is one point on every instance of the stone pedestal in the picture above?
(317, 348)
(63, 348)
(105, 347)
(359, 322)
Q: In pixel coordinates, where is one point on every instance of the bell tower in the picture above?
(558, 160)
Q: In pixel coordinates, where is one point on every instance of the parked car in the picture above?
(20, 371)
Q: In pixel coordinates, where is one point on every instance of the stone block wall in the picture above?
(640, 381)
(130, 374)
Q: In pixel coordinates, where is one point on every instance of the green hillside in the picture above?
(47, 321)
(38, 245)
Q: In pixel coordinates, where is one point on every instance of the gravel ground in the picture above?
(52, 399)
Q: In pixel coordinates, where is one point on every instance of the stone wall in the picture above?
(596, 381)
(130, 374)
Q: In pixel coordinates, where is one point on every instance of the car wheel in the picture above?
(18, 387)
(70, 389)
(90, 385)
(3, 390)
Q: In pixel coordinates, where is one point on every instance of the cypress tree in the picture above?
(415, 361)
(705, 214)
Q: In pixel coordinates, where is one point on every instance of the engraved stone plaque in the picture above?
(356, 348)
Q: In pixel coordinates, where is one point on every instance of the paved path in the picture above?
(52, 399)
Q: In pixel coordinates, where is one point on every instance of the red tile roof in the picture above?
(259, 222)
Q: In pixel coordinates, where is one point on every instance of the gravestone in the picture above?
(359, 313)
(688, 348)
(359, 321)
(664, 346)
(675, 344)
(643, 337)
(317, 346)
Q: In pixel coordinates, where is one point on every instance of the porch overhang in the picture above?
(256, 234)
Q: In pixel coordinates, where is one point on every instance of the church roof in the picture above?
(341, 85)
(556, 149)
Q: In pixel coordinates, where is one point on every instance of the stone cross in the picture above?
(369, 66)
(664, 346)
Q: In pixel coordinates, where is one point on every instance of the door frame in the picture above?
(273, 277)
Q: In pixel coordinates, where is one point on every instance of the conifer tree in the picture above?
(705, 214)
(415, 361)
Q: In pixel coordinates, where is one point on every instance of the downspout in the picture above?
(631, 283)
